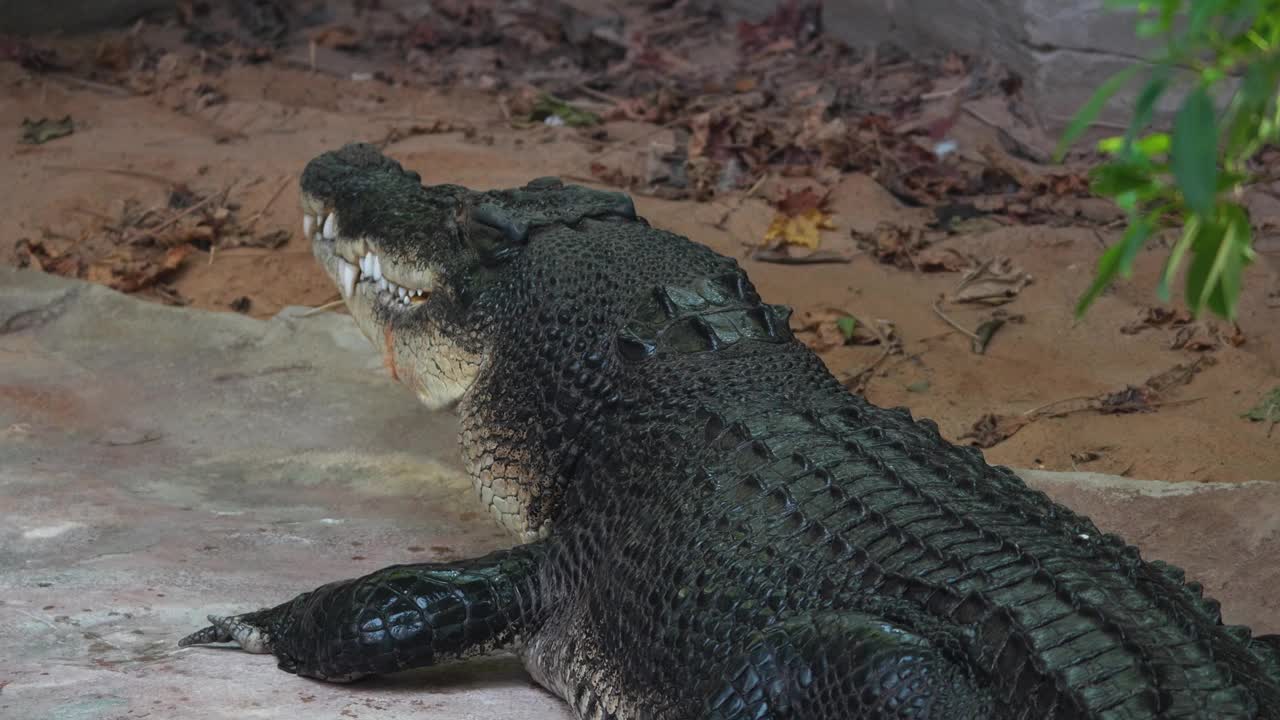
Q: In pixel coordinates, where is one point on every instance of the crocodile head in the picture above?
(399, 254)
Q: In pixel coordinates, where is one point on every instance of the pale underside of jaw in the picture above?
(366, 264)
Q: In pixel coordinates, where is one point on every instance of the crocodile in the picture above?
(708, 524)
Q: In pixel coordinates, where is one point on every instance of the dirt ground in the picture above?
(199, 138)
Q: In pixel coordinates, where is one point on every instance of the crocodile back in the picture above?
(706, 478)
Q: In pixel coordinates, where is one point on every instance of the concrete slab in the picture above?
(157, 464)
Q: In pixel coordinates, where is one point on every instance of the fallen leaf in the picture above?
(1130, 399)
(994, 282)
(37, 256)
(115, 53)
(271, 241)
(796, 202)
(991, 430)
(39, 132)
(823, 330)
(987, 329)
(1086, 456)
(935, 259)
(893, 244)
(1267, 410)
(1178, 375)
(338, 37)
(791, 24)
(1197, 337)
(800, 219)
(847, 324)
(1154, 317)
(549, 106)
(802, 230)
(128, 273)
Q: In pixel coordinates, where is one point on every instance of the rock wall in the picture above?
(24, 16)
(1063, 49)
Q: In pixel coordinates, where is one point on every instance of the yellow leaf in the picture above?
(799, 229)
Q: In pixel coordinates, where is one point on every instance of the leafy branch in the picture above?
(1194, 177)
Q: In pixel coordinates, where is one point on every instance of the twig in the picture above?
(583, 179)
(172, 219)
(117, 171)
(1050, 404)
(319, 309)
(939, 94)
(92, 85)
(253, 220)
(602, 97)
(938, 311)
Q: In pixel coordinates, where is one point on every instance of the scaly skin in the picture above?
(713, 526)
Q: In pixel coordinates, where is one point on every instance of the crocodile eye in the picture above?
(489, 242)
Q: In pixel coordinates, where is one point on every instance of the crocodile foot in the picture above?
(247, 631)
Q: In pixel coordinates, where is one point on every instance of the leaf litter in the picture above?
(992, 429)
(142, 249)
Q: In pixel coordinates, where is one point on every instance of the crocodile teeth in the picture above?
(330, 227)
(308, 224)
(347, 276)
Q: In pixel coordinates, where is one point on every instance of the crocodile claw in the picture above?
(239, 629)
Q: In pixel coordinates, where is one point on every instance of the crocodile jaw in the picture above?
(388, 302)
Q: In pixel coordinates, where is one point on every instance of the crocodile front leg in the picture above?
(400, 617)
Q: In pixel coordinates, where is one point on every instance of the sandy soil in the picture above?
(276, 116)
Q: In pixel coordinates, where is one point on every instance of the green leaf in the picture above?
(847, 324)
(1204, 252)
(1111, 145)
(1120, 176)
(39, 132)
(1195, 151)
(1267, 410)
(1217, 268)
(1117, 259)
(549, 105)
(1189, 233)
(1145, 106)
(1087, 114)
(1154, 144)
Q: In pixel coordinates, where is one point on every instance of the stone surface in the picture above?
(158, 464)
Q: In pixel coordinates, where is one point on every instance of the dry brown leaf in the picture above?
(892, 244)
(991, 430)
(994, 282)
(338, 37)
(36, 255)
(829, 328)
(1154, 317)
(796, 202)
(935, 259)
